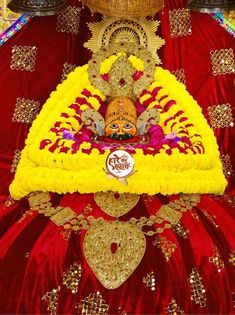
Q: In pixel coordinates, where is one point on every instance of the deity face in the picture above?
(121, 119)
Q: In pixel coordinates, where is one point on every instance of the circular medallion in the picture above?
(120, 163)
(115, 204)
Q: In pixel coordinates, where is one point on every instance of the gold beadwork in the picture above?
(72, 276)
(67, 68)
(10, 201)
(115, 204)
(15, 161)
(93, 304)
(180, 22)
(51, 298)
(113, 250)
(23, 58)
(227, 165)
(173, 308)
(221, 116)
(68, 20)
(167, 247)
(180, 75)
(150, 281)
(115, 30)
(222, 61)
(25, 110)
(232, 258)
(216, 259)
(198, 292)
(180, 230)
(25, 215)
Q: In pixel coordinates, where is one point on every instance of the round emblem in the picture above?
(120, 163)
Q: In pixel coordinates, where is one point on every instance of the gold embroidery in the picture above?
(113, 250)
(180, 230)
(68, 20)
(149, 280)
(173, 308)
(23, 58)
(113, 30)
(93, 304)
(221, 116)
(211, 218)
(25, 110)
(167, 247)
(232, 258)
(88, 209)
(51, 298)
(198, 292)
(195, 215)
(180, 75)
(62, 216)
(38, 198)
(227, 165)
(72, 276)
(16, 160)
(67, 68)
(10, 201)
(216, 260)
(66, 234)
(222, 61)
(25, 215)
(180, 22)
(169, 214)
(115, 204)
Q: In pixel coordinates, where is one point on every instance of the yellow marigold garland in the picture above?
(41, 170)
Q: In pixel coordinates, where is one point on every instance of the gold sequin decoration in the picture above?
(180, 75)
(221, 116)
(25, 215)
(68, 20)
(15, 161)
(93, 304)
(180, 230)
(25, 110)
(23, 58)
(227, 165)
(67, 68)
(216, 259)
(113, 250)
(231, 258)
(72, 276)
(167, 247)
(115, 204)
(173, 308)
(198, 292)
(180, 22)
(51, 298)
(222, 61)
(10, 201)
(149, 280)
(211, 218)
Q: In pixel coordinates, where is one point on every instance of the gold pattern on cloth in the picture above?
(72, 276)
(23, 58)
(167, 247)
(68, 20)
(88, 209)
(113, 251)
(114, 30)
(149, 281)
(51, 299)
(222, 61)
(221, 116)
(26, 214)
(227, 165)
(211, 218)
(180, 230)
(226, 198)
(25, 110)
(198, 292)
(15, 161)
(67, 68)
(180, 75)
(180, 22)
(7, 17)
(105, 87)
(231, 258)
(173, 308)
(10, 201)
(216, 259)
(66, 234)
(93, 304)
(115, 204)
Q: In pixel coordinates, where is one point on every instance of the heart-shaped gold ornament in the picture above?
(113, 250)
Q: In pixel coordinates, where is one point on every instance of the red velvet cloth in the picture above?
(23, 281)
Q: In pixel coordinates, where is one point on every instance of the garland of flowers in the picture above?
(43, 170)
